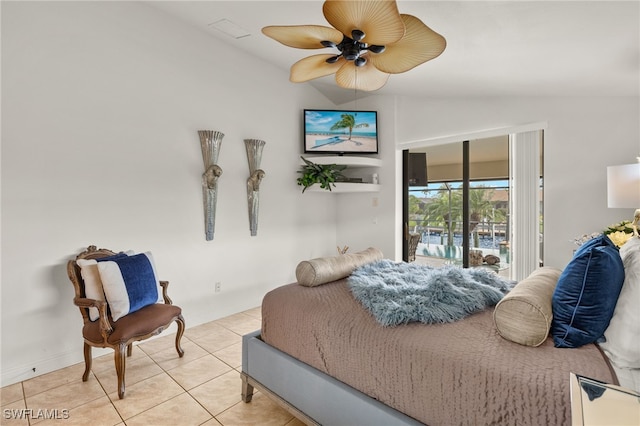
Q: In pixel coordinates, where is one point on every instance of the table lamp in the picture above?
(623, 189)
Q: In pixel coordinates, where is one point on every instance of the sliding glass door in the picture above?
(462, 213)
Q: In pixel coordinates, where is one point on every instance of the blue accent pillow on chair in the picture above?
(586, 294)
(129, 283)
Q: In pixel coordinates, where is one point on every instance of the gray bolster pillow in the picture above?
(322, 270)
(524, 315)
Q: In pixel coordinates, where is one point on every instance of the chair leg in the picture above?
(121, 363)
(129, 349)
(180, 322)
(87, 362)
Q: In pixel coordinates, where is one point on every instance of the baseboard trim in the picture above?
(46, 365)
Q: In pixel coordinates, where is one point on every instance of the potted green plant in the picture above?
(324, 174)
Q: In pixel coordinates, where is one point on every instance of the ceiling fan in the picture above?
(372, 38)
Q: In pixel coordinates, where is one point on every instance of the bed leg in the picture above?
(247, 389)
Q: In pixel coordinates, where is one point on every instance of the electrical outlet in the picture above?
(217, 287)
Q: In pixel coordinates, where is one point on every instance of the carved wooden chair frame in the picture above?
(107, 325)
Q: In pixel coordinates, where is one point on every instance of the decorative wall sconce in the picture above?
(210, 142)
(254, 156)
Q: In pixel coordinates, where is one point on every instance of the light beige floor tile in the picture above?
(231, 355)
(16, 414)
(240, 323)
(182, 410)
(11, 393)
(103, 362)
(212, 422)
(137, 369)
(145, 395)
(204, 330)
(220, 393)
(68, 396)
(209, 370)
(296, 422)
(168, 358)
(255, 313)
(107, 361)
(219, 338)
(159, 343)
(54, 379)
(95, 413)
(260, 411)
(198, 371)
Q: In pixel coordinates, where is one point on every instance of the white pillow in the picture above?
(92, 282)
(622, 343)
(129, 283)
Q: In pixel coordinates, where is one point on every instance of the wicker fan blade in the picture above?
(303, 36)
(419, 44)
(365, 78)
(314, 66)
(380, 20)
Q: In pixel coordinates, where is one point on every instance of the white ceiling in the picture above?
(494, 48)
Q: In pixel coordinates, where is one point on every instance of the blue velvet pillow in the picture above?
(586, 294)
(129, 283)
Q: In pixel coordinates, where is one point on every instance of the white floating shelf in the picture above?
(344, 160)
(346, 187)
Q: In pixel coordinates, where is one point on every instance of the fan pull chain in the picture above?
(355, 90)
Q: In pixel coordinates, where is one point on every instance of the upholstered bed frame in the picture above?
(319, 350)
(307, 393)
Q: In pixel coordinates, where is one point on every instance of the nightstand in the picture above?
(596, 403)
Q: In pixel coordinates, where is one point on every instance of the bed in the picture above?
(323, 357)
(308, 356)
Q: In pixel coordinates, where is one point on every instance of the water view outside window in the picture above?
(435, 213)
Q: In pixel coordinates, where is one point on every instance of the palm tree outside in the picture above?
(481, 209)
(444, 211)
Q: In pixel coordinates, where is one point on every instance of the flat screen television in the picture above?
(340, 132)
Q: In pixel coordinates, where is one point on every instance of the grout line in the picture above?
(107, 395)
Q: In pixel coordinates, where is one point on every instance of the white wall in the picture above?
(101, 103)
(584, 135)
(369, 219)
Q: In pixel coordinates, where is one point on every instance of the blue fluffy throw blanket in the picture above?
(399, 293)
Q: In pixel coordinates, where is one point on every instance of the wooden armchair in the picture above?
(120, 335)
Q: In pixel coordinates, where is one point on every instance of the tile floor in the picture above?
(201, 388)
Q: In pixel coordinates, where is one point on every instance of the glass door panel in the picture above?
(489, 204)
(436, 211)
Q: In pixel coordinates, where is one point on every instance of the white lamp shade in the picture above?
(623, 186)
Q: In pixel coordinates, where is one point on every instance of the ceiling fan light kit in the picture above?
(372, 38)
